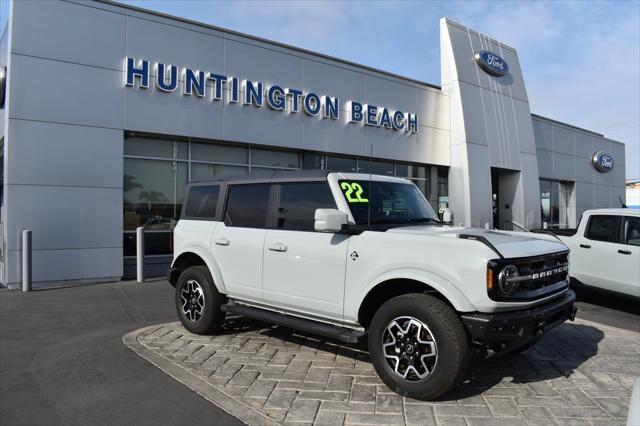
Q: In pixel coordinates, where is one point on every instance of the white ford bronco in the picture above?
(352, 255)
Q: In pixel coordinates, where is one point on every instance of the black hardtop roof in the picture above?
(266, 176)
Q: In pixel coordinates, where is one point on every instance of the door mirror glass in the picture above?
(330, 220)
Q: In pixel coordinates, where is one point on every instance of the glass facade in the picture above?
(554, 202)
(156, 173)
(157, 170)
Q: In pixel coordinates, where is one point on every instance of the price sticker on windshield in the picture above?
(353, 192)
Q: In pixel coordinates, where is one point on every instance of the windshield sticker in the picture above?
(353, 192)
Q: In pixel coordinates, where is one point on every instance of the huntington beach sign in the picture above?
(232, 90)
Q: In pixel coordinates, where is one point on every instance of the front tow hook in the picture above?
(572, 314)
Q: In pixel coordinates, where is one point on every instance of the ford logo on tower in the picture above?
(492, 63)
(602, 161)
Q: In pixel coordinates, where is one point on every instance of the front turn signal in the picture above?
(490, 278)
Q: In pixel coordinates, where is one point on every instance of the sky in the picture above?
(580, 59)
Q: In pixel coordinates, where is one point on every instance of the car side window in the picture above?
(631, 231)
(202, 202)
(298, 203)
(603, 228)
(247, 205)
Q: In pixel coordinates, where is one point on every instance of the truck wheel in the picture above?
(418, 346)
(198, 301)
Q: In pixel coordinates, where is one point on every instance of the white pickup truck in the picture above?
(348, 256)
(605, 250)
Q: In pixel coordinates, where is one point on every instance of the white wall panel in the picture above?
(584, 194)
(332, 80)
(169, 44)
(562, 140)
(61, 92)
(543, 134)
(64, 155)
(63, 217)
(69, 32)
(246, 61)
(68, 265)
(583, 145)
(173, 113)
(602, 196)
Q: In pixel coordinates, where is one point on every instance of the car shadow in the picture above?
(558, 354)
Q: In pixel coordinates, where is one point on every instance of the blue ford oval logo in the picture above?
(602, 161)
(492, 63)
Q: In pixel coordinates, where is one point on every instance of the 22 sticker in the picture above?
(353, 192)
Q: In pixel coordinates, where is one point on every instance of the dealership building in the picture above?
(108, 111)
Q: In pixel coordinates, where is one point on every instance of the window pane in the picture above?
(603, 228)
(423, 186)
(151, 216)
(200, 171)
(155, 243)
(631, 231)
(555, 208)
(443, 182)
(341, 164)
(219, 153)
(418, 172)
(375, 167)
(202, 201)
(153, 193)
(313, 161)
(147, 147)
(298, 203)
(263, 157)
(247, 205)
(154, 181)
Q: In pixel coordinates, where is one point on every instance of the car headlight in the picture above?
(506, 279)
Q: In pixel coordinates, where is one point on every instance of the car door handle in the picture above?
(277, 247)
(222, 242)
(624, 251)
(585, 246)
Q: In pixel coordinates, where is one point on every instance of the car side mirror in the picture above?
(330, 220)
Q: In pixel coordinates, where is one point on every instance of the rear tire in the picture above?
(198, 301)
(418, 346)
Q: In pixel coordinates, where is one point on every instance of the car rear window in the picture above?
(202, 202)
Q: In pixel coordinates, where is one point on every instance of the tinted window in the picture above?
(247, 205)
(298, 203)
(603, 228)
(631, 230)
(202, 201)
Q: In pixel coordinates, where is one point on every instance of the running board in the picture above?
(346, 335)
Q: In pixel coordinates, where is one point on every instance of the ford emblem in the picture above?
(602, 161)
(492, 63)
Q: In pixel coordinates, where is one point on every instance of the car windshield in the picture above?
(389, 202)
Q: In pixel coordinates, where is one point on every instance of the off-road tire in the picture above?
(212, 316)
(447, 331)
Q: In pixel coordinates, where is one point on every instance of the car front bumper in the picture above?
(506, 331)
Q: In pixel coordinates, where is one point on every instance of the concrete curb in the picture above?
(240, 411)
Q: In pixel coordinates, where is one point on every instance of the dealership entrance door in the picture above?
(503, 191)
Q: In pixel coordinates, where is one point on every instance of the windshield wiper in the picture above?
(422, 220)
(398, 221)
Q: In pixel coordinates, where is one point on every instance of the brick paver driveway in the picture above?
(580, 373)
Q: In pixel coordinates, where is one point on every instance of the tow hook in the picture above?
(572, 314)
(540, 331)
